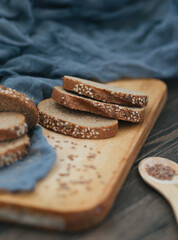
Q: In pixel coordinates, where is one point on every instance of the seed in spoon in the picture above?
(161, 172)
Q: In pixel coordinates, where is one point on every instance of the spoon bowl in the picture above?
(162, 174)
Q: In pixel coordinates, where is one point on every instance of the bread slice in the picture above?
(14, 101)
(105, 93)
(12, 125)
(75, 123)
(73, 101)
(14, 150)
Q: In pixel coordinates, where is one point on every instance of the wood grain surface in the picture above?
(139, 212)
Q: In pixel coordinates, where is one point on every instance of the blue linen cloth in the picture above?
(42, 40)
(24, 174)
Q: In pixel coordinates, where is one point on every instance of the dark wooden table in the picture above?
(139, 212)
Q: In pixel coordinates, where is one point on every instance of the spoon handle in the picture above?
(171, 194)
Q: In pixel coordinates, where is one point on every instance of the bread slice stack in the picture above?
(86, 109)
(18, 114)
(115, 111)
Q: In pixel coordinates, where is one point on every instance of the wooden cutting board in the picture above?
(81, 188)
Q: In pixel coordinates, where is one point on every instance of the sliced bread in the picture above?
(12, 125)
(73, 101)
(105, 93)
(14, 101)
(14, 150)
(75, 123)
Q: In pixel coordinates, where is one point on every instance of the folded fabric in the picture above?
(24, 174)
(102, 40)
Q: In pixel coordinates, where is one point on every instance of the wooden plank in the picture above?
(78, 194)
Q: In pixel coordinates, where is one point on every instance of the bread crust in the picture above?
(14, 154)
(15, 131)
(78, 131)
(105, 95)
(14, 101)
(114, 111)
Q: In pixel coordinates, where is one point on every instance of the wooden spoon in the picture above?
(162, 174)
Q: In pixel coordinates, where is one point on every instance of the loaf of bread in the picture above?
(75, 123)
(14, 101)
(12, 125)
(13, 150)
(73, 101)
(105, 93)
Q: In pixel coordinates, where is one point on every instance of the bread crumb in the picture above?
(71, 157)
(91, 155)
(90, 166)
(63, 174)
(64, 186)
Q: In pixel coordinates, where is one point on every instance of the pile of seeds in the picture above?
(161, 172)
